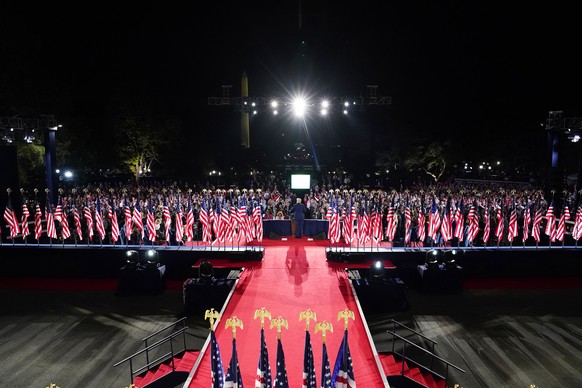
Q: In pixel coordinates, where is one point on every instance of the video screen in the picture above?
(300, 181)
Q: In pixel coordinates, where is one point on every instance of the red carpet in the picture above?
(288, 280)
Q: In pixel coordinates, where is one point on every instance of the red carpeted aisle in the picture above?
(291, 279)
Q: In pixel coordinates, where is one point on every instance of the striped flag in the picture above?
(77, 219)
(112, 215)
(179, 224)
(334, 227)
(348, 225)
(281, 380)
(577, 230)
(500, 226)
(512, 226)
(486, 224)
(65, 230)
(263, 379)
(325, 369)
(205, 222)
(99, 220)
(447, 223)
(421, 225)
(565, 216)
(309, 380)
(391, 222)
(459, 222)
(258, 220)
(127, 219)
(216, 369)
(526, 222)
(189, 220)
(59, 210)
(167, 221)
(89, 219)
(51, 230)
(434, 220)
(407, 223)
(24, 219)
(536, 224)
(151, 223)
(551, 222)
(11, 220)
(37, 222)
(137, 219)
(473, 218)
(343, 371)
(233, 378)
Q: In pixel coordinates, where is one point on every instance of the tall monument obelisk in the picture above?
(244, 113)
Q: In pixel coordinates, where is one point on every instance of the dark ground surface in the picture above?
(500, 337)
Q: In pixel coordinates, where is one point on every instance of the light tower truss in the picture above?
(336, 104)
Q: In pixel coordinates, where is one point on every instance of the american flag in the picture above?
(537, 222)
(577, 231)
(473, 218)
(486, 224)
(551, 222)
(421, 225)
(334, 232)
(348, 225)
(434, 220)
(218, 224)
(205, 222)
(127, 218)
(235, 217)
(151, 223)
(325, 369)
(447, 223)
(216, 370)
(244, 229)
(226, 219)
(112, 215)
(263, 379)
(526, 222)
(309, 380)
(58, 211)
(459, 222)
(562, 224)
(377, 232)
(24, 219)
(258, 220)
(281, 371)
(512, 225)
(500, 225)
(363, 225)
(136, 218)
(407, 223)
(89, 218)
(179, 224)
(189, 220)
(51, 230)
(167, 221)
(233, 378)
(11, 220)
(77, 219)
(390, 222)
(343, 370)
(99, 220)
(37, 222)
(65, 230)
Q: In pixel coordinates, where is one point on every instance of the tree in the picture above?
(141, 143)
(431, 159)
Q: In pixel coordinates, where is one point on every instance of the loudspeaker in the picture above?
(320, 236)
(274, 236)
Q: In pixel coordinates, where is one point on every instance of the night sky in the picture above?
(480, 73)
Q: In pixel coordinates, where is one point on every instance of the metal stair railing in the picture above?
(167, 356)
(430, 353)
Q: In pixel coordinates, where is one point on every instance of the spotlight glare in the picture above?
(299, 106)
(325, 104)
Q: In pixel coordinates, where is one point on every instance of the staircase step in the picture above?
(187, 361)
(391, 366)
(416, 375)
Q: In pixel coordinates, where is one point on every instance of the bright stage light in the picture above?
(325, 104)
(324, 112)
(274, 104)
(345, 111)
(377, 271)
(299, 106)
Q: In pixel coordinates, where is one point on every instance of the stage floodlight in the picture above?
(345, 111)
(432, 258)
(377, 271)
(299, 107)
(206, 271)
(325, 104)
(131, 259)
(324, 112)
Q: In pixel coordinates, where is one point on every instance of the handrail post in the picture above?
(147, 353)
(403, 356)
(432, 357)
(446, 375)
(131, 370)
(172, 351)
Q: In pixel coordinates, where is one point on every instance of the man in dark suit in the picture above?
(298, 212)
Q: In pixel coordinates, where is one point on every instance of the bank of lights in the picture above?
(301, 107)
